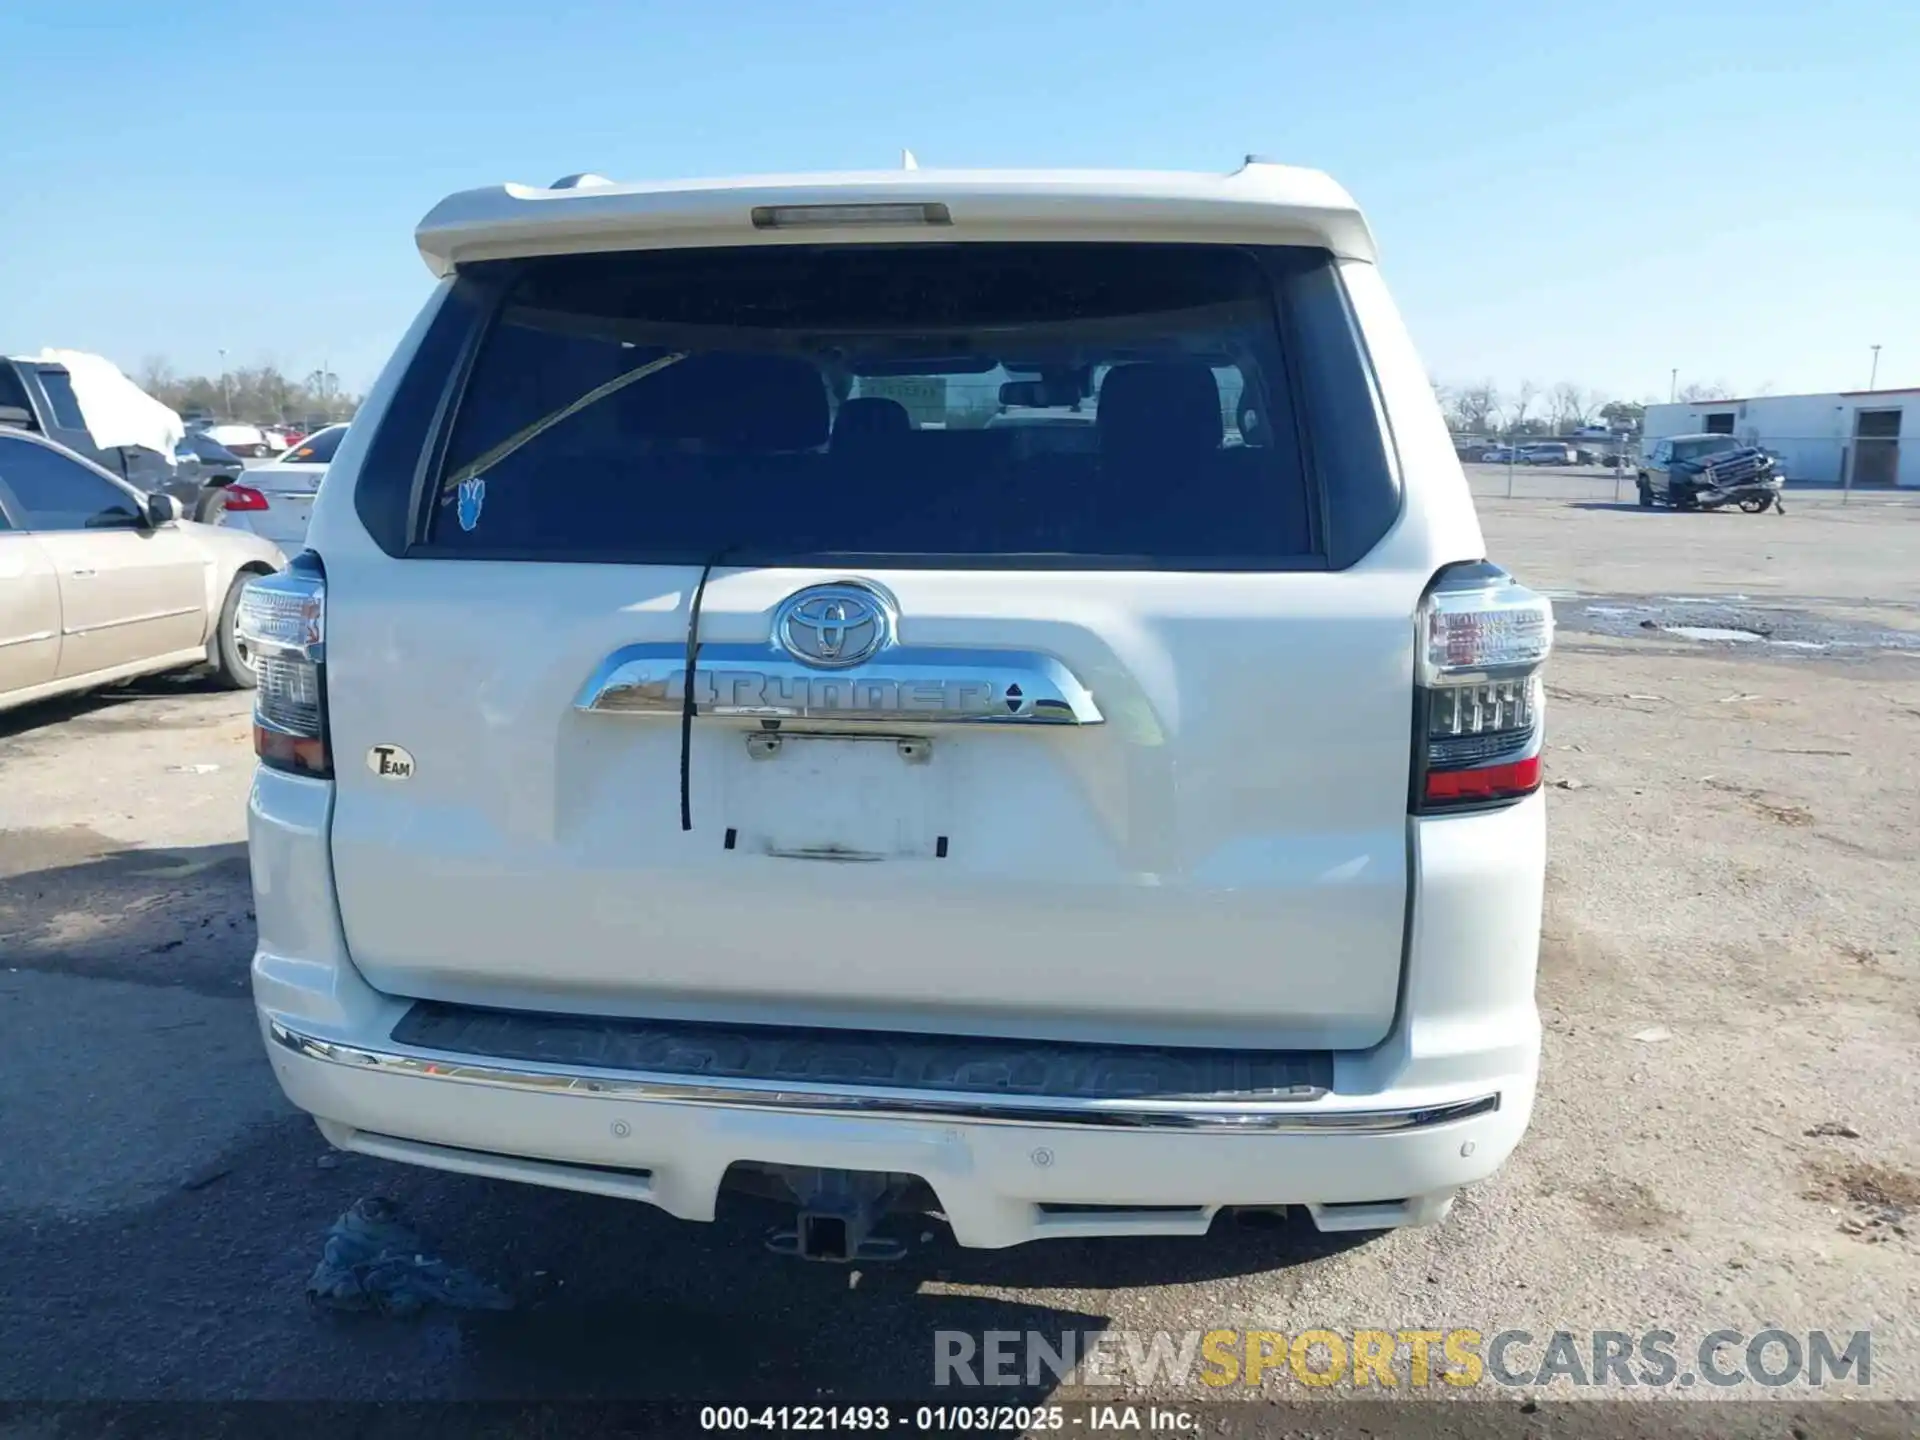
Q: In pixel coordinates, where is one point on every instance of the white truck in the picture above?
(680, 770)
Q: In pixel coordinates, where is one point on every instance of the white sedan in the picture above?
(274, 500)
(240, 438)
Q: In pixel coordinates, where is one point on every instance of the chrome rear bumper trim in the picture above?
(1213, 1117)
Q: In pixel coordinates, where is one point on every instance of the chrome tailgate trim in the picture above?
(923, 684)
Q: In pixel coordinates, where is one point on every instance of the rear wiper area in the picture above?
(686, 684)
(532, 431)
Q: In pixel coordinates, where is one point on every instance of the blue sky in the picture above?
(1586, 193)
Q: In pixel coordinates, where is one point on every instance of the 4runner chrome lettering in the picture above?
(926, 685)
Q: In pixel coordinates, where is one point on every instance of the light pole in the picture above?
(1673, 385)
(226, 395)
(1874, 375)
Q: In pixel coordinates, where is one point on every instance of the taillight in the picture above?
(1477, 700)
(283, 623)
(244, 497)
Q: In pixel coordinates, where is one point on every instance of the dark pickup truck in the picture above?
(1705, 472)
(38, 396)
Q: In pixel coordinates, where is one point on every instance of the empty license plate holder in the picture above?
(837, 797)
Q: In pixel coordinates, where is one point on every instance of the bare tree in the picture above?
(1471, 408)
(1573, 406)
(258, 393)
(1624, 414)
(323, 385)
(156, 374)
(1523, 399)
(1695, 392)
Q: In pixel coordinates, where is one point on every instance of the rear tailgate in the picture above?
(1214, 852)
(1223, 859)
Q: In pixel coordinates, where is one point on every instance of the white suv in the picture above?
(700, 748)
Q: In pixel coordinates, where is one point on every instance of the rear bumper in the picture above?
(996, 1178)
(1438, 1105)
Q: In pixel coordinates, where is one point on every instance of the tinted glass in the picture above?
(316, 449)
(211, 451)
(66, 405)
(56, 493)
(1697, 449)
(12, 392)
(1122, 405)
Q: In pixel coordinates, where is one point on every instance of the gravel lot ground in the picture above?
(1728, 1133)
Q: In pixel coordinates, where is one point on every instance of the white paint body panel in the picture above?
(283, 478)
(283, 522)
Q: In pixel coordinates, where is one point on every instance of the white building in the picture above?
(1863, 437)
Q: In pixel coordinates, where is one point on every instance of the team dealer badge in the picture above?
(390, 762)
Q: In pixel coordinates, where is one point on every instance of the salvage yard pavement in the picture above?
(1727, 1135)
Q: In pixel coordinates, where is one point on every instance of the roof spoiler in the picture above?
(1261, 203)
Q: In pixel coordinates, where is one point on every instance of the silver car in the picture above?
(274, 500)
(104, 583)
(1551, 453)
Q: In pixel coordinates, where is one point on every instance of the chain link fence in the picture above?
(1817, 468)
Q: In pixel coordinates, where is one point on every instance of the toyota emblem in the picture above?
(833, 626)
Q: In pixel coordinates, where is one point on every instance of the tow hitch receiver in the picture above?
(838, 1210)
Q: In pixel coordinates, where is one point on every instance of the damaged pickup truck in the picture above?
(1707, 472)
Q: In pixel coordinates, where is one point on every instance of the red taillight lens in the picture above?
(244, 497)
(1489, 782)
(300, 753)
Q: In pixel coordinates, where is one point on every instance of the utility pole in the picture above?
(1673, 385)
(1874, 375)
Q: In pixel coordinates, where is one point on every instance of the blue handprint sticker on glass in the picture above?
(472, 495)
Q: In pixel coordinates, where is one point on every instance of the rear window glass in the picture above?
(316, 449)
(1698, 449)
(1124, 405)
(66, 405)
(12, 393)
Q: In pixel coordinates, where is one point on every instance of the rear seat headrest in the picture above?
(870, 417)
(735, 401)
(1159, 406)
